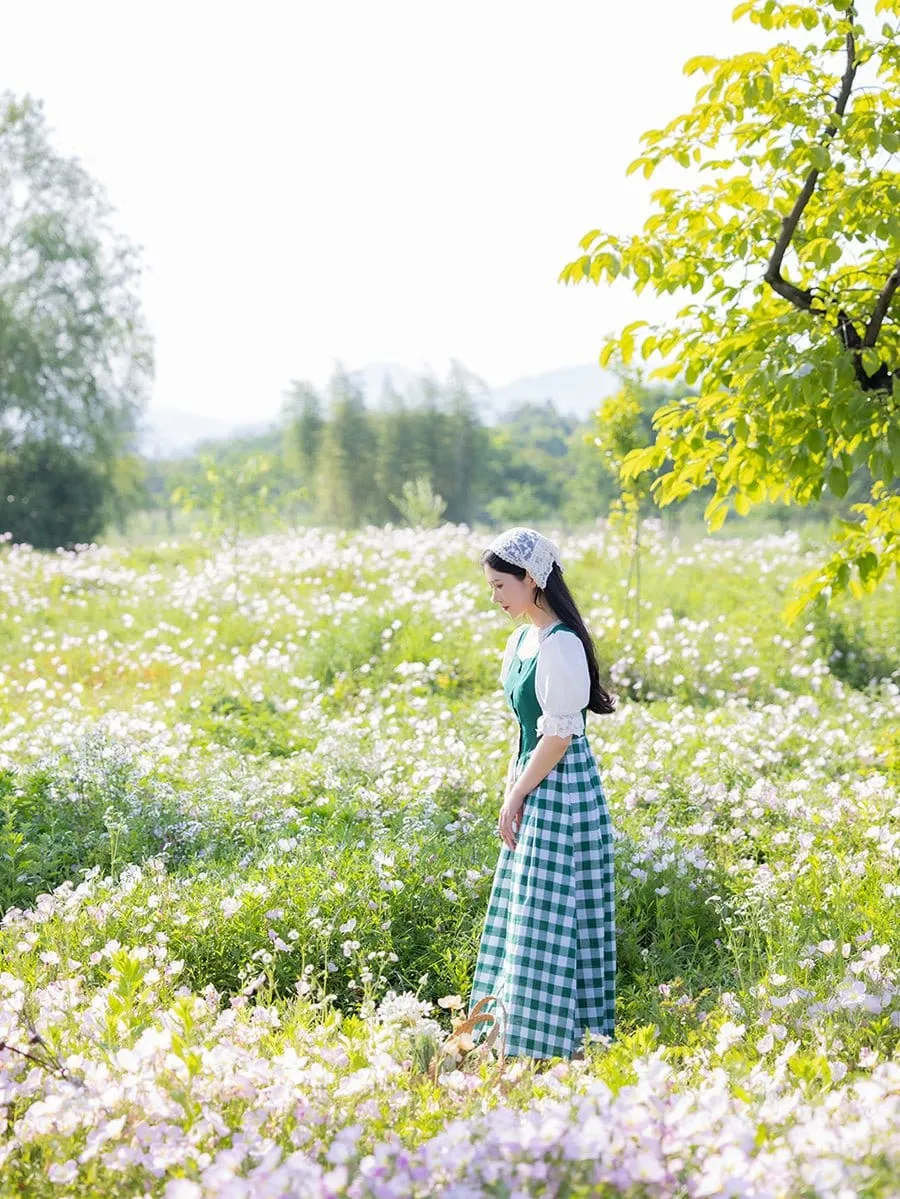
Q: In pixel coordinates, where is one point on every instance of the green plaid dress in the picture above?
(548, 947)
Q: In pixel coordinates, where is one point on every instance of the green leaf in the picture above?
(837, 481)
(807, 587)
(880, 466)
(635, 325)
(789, 421)
(815, 439)
(715, 512)
(866, 563)
(626, 341)
(893, 437)
(702, 62)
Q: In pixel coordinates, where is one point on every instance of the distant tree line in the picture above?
(75, 371)
(332, 460)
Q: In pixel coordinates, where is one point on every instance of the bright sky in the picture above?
(359, 181)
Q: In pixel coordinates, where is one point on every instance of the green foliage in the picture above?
(535, 464)
(853, 655)
(303, 429)
(436, 434)
(792, 256)
(51, 496)
(256, 726)
(418, 505)
(349, 461)
(360, 457)
(126, 489)
(529, 469)
(345, 470)
(56, 821)
(265, 813)
(519, 503)
(75, 359)
(234, 498)
(622, 427)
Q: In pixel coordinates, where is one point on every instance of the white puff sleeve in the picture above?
(562, 685)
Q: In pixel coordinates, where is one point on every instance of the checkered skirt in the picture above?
(548, 947)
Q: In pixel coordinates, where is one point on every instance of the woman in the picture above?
(548, 947)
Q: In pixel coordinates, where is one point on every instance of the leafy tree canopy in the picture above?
(791, 252)
(75, 359)
(51, 496)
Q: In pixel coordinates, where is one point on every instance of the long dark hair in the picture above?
(559, 597)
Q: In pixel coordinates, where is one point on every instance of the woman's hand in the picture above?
(510, 817)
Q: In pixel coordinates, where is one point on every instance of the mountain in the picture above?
(174, 432)
(574, 390)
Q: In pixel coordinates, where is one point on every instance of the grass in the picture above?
(246, 845)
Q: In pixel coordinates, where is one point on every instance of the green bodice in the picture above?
(518, 687)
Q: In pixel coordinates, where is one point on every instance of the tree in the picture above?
(125, 490)
(792, 252)
(468, 441)
(622, 425)
(418, 504)
(75, 359)
(303, 430)
(590, 489)
(433, 456)
(396, 449)
(530, 463)
(50, 496)
(234, 497)
(346, 470)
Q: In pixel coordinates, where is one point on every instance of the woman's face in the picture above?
(513, 595)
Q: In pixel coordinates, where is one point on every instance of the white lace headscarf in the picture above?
(529, 549)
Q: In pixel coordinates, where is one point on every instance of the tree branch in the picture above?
(851, 340)
(803, 298)
(800, 297)
(883, 303)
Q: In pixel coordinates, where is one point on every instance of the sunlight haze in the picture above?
(363, 183)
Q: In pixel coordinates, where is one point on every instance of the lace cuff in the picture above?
(560, 726)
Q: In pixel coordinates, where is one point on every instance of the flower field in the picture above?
(247, 837)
